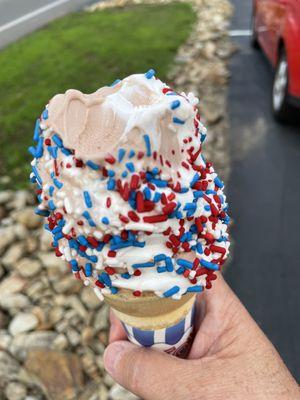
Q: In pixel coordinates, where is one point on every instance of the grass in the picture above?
(83, 51)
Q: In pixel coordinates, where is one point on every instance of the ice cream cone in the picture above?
(151, 321)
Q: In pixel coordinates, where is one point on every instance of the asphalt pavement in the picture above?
(20, 17)
(264, 194)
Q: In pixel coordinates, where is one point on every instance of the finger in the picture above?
(117, 331)
(150, 374)
(217, 307)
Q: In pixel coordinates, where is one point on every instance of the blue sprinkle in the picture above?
(105, 220)
(155, 171)
(148, 145)
(150, 73)
(161, 269)
(57, 140)
(147, 193)
(82, 240)
(184, 190)
(111, 184)
(88, 269)
(195, 289)
(35, 171)
(189, 206)
(115, 82)
(36, 133)
(184, 263)
(199, 248)
(159, 183)
(57, 183)
(209, 265)
(178, 121)
(157, 197)
(56, 230)
(144, 265)
(53, 151)
(179, 215)
(55, 244)
(31, 150)
(139, 244)
(45, 114)
(195, 179)
(44, 213)
(111, 173)
(124, 174)
(121, 154)
(121, 245)
(197, 194)
(218, 182)
(92, 165)
(207, 208)
(131, 154)
(51, 190)
(125, 275)
(100, 247)
(169, 264)
(105, 278)
(130, 166)
(203, 137)
(159, 257)
(175, 104)
(51, 205)
(210, 192)
(87, 199)
(170, 292)
(180, 270)
(65, 151)
(114, 290)
(58, 236)
(94, 259)
(73, 244)
(87, 216)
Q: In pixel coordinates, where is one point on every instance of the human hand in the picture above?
(230, 359)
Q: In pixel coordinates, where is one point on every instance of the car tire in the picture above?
(253, 37)
(282, 110)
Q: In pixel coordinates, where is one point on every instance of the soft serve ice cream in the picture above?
(126, 191)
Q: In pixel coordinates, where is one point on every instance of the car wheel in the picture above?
(282, 110)
(253, 38)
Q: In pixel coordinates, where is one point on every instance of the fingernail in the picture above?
(113, 354)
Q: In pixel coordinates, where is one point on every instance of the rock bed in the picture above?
(53, 331)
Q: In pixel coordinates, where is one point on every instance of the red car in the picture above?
(276, 29)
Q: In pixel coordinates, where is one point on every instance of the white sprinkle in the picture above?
(68, 205)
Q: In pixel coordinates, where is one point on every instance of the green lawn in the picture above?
(82, 51)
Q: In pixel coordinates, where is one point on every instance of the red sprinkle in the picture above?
(133, 216)
(137, 272)
(110, 270)
(137, 293)
(155, 218)
(108, 202)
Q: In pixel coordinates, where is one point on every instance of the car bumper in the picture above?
(294, 101)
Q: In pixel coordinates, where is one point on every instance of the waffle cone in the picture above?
(149, 312)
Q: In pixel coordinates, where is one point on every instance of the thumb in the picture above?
(148, 373)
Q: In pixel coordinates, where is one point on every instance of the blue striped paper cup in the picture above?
(175, 339)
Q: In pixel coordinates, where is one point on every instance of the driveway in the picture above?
(264, 194)
(20, 17)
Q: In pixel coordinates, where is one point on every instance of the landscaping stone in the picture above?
(60, 373)
(23, 322)
(15, 391)
(28, 267)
